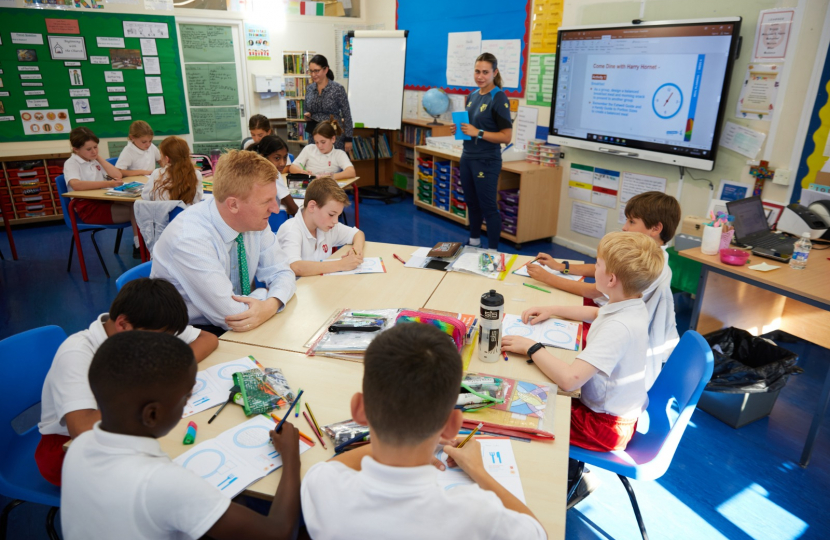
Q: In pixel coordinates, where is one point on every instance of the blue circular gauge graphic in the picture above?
(228, 371)
(518, 330)
(557, 336)
(199, 386)
(241, 444)
(667, 100)
(209, 460)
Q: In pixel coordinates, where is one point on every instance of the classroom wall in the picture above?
(729, 165)
(292, 32)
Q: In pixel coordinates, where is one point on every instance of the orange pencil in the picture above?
(303, 436)
(525, 264)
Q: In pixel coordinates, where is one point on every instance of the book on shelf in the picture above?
(362, 147)
(414, 135)
(296, 131)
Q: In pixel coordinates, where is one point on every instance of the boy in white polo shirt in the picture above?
(308, 239)
(611, 370)
(68, 407)
(140, 156)
(389, 488)
(117, 481)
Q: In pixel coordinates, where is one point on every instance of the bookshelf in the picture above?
(295, 70)
(403, 147)
(362, 156)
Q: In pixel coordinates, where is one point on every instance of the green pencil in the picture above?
(297, 406)
(367, 315)
(535, 287)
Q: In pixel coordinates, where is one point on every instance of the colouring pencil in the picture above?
(303, 435)
(313, 419)
(307, 419)
(470, 436)
(403, 261)
(535, 287)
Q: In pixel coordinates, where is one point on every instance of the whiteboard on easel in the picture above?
(376, 73)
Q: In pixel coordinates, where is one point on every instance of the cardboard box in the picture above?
(334, 9)
(693, 225)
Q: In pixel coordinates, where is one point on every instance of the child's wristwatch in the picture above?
(567, 269)
(533, 348)
(480, 134)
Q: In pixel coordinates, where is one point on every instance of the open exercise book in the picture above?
(237, 458)
(370, 265)
(499, 461)
(214, 384)
(553, 332)
(526, 413)
(523, 272)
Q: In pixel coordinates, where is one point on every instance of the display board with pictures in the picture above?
(63, 69)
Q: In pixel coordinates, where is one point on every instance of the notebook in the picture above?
(214, 384)
(553, 332)
(523, 272)
(499, 460)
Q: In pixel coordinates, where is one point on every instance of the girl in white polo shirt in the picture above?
(322, 158)
(275, 150)
(86, 170)
(140, 156)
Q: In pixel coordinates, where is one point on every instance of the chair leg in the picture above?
(71, 251)
(118, 240)
(579, 471)
(634, 505)
(98, 251)
(4, 517)
(50, 524)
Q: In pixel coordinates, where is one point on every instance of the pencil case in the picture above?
(451, 326)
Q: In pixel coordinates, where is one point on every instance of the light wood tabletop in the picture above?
(318, 297)
(101, 194)
(328, 385)
(813, 282)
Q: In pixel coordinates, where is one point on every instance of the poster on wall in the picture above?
(772, 37)
(67, 48)
(758, 93)
(44, 121)
(257, 42)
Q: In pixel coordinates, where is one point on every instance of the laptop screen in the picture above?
(749, 217)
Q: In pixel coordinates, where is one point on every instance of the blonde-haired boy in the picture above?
(611, 369)
(309, 238)
(213, 250)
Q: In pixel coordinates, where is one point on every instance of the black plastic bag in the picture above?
(745, 364)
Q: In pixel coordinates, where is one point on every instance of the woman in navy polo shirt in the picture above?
(490, 127)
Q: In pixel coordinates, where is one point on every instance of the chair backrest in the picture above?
(291, 157)
(277, 219)
(173, 213)
(112, 160)
(25, 359)
(671, 402)
(140, 271)
(60, 183)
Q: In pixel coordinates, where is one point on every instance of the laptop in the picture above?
(752, 229)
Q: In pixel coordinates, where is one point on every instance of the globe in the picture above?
(435, 102)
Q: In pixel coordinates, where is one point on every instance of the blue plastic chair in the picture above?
(291, 157)
(60, 182)
(671, 402)
(140, 271)
(276, 220)
(25, 359)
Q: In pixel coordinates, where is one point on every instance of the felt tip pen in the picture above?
(297, 406)
(366, 315)
(357, 438)
(535, 287)
(296, 400)
(470, 436)
(505, 356)
(403, 261)
(190, 435)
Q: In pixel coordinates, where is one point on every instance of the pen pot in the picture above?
(726, 239)
(710, 245)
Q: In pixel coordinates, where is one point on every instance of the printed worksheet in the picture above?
(499, 461)
(214, 384)
(554, 332)
(370, 265)
(523, 272)
(237, 458)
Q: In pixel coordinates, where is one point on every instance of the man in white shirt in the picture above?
(389, 488)
(309, 238)
(117, 481)
(68, 407)
(212, 251)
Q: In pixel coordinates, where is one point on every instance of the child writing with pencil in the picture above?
(389, 488)
(322, 158)
(140, 156)
(68, 407)
(308, 239)
(117, 477)
(656, 215)
(177, 179)
(611, 369)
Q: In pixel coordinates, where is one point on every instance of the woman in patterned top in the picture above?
(325, 98)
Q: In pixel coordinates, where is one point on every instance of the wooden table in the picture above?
(329, 384)
(318, 297)
(795, 301)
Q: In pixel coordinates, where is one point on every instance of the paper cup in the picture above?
(726, 239)
(710, 245)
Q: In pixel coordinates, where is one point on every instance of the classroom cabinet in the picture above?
(28, 192)
(528, 194)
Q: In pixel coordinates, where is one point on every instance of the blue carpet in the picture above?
(724, 483)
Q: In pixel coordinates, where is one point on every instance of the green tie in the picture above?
(245, 281)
